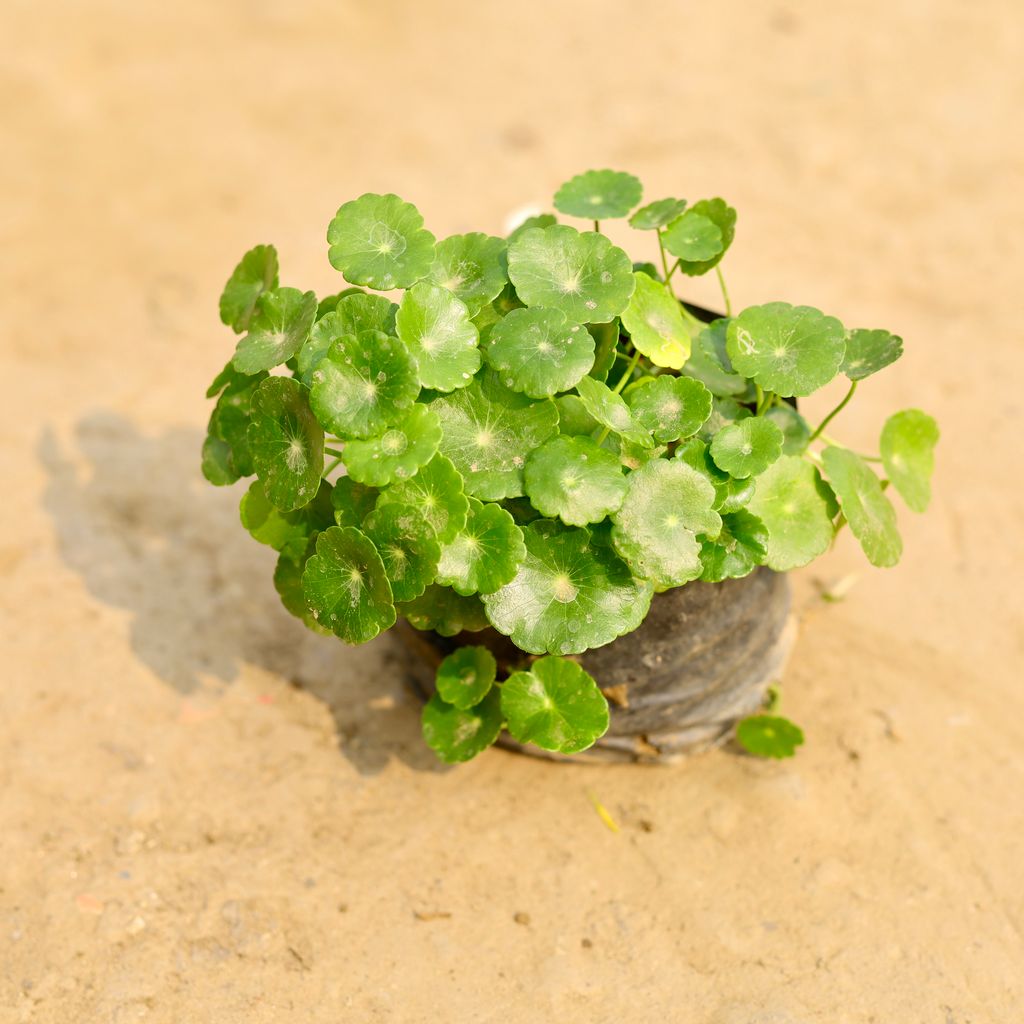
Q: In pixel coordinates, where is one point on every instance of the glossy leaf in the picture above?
(255, 274)
(285, 531)
(747, 447)
(485, 554)
(693, 237)
(867, 352)
(740, 547)
(611, 411)
(597, 195)
(352, 502)
(657, 214)
(465, 676)
(288, 584)
(397, 453)
(655, 323)
(908, 454)
(406, 546)
(277, 328)
(226, 452)
(769, 736)
(437, 490)
(574, 479)
(436, 327)
(457, 734)
(442, 610)
(670, 407)
(472, 267)
(723, 216)
(730, 494)
(352, 313)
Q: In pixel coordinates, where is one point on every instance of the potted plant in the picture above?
(574, 485)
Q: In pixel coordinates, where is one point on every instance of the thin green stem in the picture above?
(332, 451)
(629, 373)
(597, 225)
(664, 256)
(725, 291)
(331, 466)
(834, 413)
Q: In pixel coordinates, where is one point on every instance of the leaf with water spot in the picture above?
(444, 612)
(472, 267)
(693, 237)
(458, 734)
(346, 586)
(436, 327)
(655, 323)
(464, 678)
(657, 214)
(556, 705)
(740, 547)
(730, 494)
(397, 453)
(611, 411)
(791, 350)
(723, 216)
(406, 546)
(867, 352)
(255, 274)
(539, 351)
(567, 595)
(277, 329)
(797, 507)
(769, 736)
(484, 554)
(709, 363)
(288, 532)
(352, 314)
(487, 431)
(869, 512)
(286, 442)
(352, 502)
(574, 479)
(796, 432)
(747, 447)
(669, 407)
(666, 505)
(908, 453)
(438, 492)
(583, 275)
(380, 241)
(597, 195)
(365, 383)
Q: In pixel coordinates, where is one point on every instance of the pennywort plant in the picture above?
(537, 434)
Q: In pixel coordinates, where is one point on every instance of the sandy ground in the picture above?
(208, 815)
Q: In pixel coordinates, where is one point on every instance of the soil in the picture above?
(209, 814)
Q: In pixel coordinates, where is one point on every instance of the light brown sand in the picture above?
(207, 814)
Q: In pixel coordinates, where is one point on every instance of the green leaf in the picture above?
(631, 455)
(346, 586)
(908, 454)
(437, 490)
(791, 350)
(741, 546)
(216, 462)
(769, 736)
(436, 327)
(277, 329)
(730, 494)
(556, 705)
(487, 431)
(466, 676)
(472, 267)
(352, 502)
(797, 508)
(611, 411)
(539, 351)
(285, 531)
(352, 314)
(693, 237)
(669, 407)
(380, 241)
(868, 511)
(606, 338)
(666, 505)
(723, 412)
(397, 453)
(540, 220)
(446, 613)
(657, 214)
(747, 447)
(568, 595)
(709, 363)
(288, 584)
(574, 479)
(226, 453)
(406, 546)
(573, 418)
(484, 554)
(365, 383)
(597, 195)
(329, 303)
(867, 352)
(720, 213)
(583, 275)
(458, 735)
(796, 432)
(286, 442)
(655, 323)
(255, 274)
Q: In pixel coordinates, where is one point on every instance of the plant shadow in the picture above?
(146, 533)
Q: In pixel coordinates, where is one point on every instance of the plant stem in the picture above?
(597, 225)
(332, 466)
(629, 373)
(725, 291)
(664, 258)
(834, 413)
(332, 451)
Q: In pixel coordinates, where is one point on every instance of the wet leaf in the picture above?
(255, 274)
(436, 327)
(352, 502)
(597, 195)
(747, 447)
(740, 547)
(723, 216)
(352, 314)
(730, 494)
(611, 411)
(670, 407)
(437, 490)
(693, 237)
(485, 554)
(288, 584)
(406, 546)
(277, 329)
(442, 610)
(908, 454)
(574, 479)
(472, 267)
(285, 531)
(397, 453)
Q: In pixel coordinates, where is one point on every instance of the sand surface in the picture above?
(209, 815)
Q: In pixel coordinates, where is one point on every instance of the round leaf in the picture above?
(730, 494)
(575, 479)
(539, 220)
(255, 274)
(471, 267)
(568, 595)
(666, 505)
(723, 412)
(352, 314)
(465, 676)
(747, 447)
(346, 586)
(670, 407)
(277, 329)
(791, 350)
(437, 491)
(556, 706)
(657, 214)
(739, 548)
(288, 584)
(573, 418)
(457, 735)
(484, 554)
(720, 213)
(487, 431)
(797, 508)
(406, 546)
(868, 511)
(867, 352)
(611, 411)
(380, 241)
(907, 447)
(352, 502)
(709, 363)
(596, 195)
(437, 329)
(397, 453)
(365, 383)
(655, 324)
(539, 351)
(769, 736)
(796, 433)
(583, 275)
(442, 610)
(285, 531)
(286, 442)
(693, 237)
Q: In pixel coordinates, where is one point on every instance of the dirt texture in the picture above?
(208, 814)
